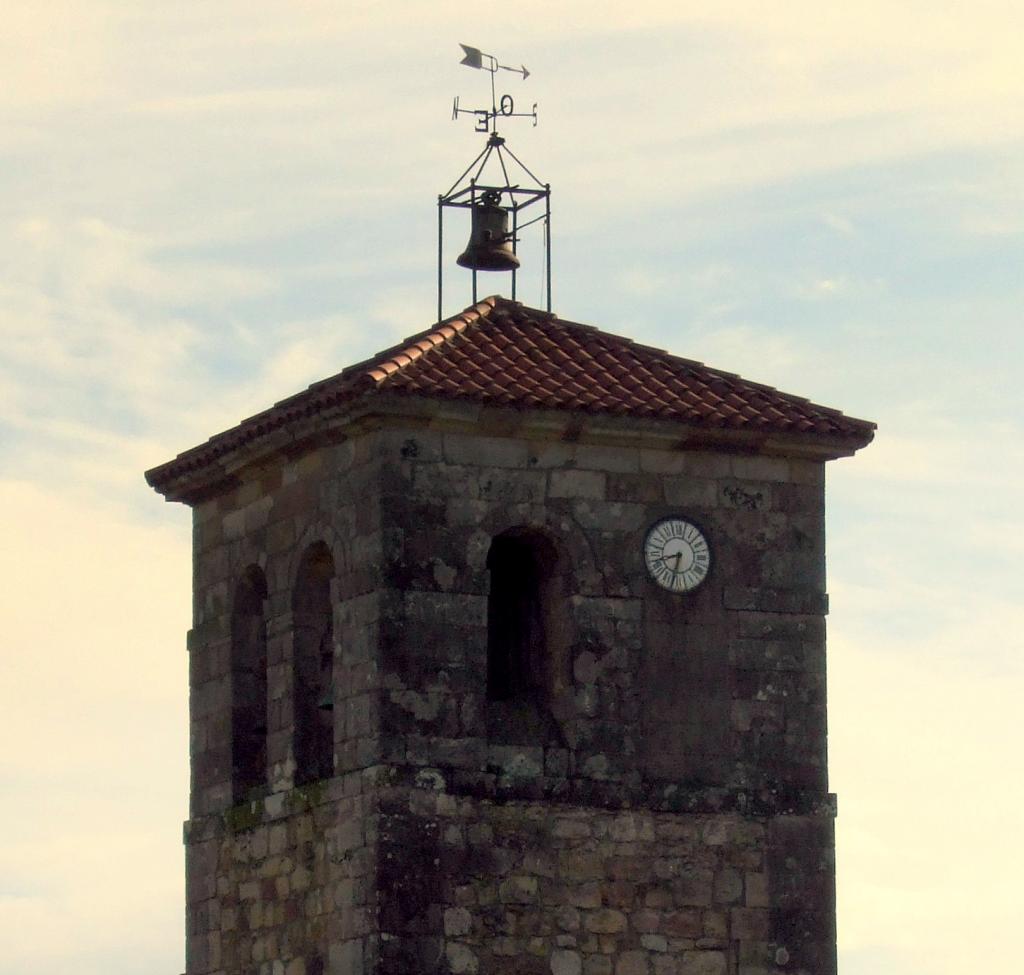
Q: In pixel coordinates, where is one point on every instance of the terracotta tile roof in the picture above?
(502, 353)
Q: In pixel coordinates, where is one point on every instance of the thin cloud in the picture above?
(208, 206)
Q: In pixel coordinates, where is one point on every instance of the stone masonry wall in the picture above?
(331, 496)
(547, 889)
(286, 886)
(721, 687)
(704, 712)
(675, 820)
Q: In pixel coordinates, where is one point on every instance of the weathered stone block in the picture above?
(485, 451)
(513, 487)
(662, 461)
(664, 965)
(645, 921)
(566, 963)
(703, 963)
(693, 888)
(632, 963)
(611, 459)
(577, 484)
(749, 923)
(518, 890)
(582, 895)
(597, 965)
(636, 488)
(687, 923)
(457, 922)
(728, 887)
(441, 481)
(760, 468)
(605, 921)
(580, 865)
(461, 959)
(691, 492)
(756, 890)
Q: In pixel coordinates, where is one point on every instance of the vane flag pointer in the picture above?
(475, 59)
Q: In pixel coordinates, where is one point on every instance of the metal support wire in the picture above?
(522, 166)
(451, 189)
(504, 171)
(483, 164)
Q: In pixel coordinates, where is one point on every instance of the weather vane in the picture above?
(495, 201)
(505, 107)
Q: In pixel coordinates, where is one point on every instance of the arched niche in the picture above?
(313, 665)
(528, 637)
(249, 686)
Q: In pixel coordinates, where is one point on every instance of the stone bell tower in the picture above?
(508, 656)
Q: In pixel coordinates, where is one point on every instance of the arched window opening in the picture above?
(516, 638)
(249, 687)
(313, 619)
(527, 639)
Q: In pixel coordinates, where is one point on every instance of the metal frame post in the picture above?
(440, 254)
(547, 237)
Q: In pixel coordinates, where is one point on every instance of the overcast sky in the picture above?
(206, 206)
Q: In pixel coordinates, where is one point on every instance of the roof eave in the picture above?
(216, 467)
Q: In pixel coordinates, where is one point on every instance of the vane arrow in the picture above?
(520, 70)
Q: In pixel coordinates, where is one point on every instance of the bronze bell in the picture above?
(490, 245)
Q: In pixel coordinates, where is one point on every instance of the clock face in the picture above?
(677, 555)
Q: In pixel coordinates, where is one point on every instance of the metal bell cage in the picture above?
(492, 244)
